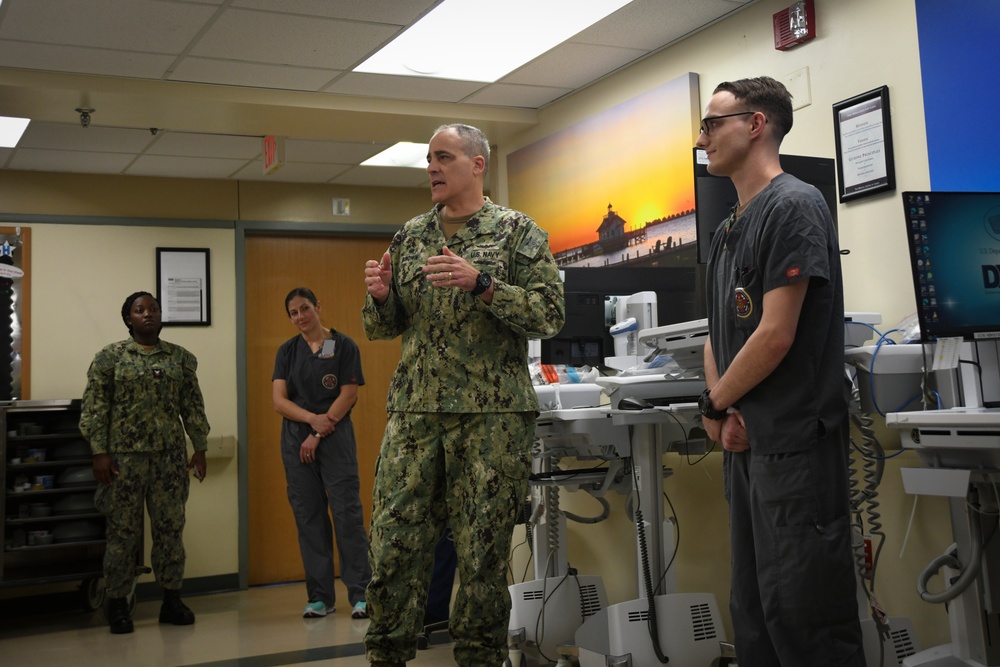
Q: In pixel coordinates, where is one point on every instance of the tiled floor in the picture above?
(261, 627)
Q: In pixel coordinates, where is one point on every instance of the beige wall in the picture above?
(853, 53)
(81, 274)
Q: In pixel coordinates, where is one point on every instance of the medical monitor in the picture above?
(954, 242)
(715, 196)
(590, 295)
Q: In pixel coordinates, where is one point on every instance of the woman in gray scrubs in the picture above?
(315, 384)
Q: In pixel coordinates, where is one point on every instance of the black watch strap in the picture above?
(707, 410)
(483, 282)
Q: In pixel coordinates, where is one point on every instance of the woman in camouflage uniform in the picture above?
(142, 395)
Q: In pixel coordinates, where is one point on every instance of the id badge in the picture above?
(329, 345)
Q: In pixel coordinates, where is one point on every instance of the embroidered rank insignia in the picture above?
(744, 305)
(329, 381)
(158, 373)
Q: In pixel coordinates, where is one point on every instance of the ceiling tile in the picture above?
(35, 159)
(514, 95)
(206, 145)
(650, 24)
(251, 75)
(283, 39)
(81, 60)
(73, 137)
(571, 65)
(403, 87)
(184, 167)
(377, 11)
(128, 25)
(246, 66)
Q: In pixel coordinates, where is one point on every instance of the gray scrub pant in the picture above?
(331, 479)
(793, 594)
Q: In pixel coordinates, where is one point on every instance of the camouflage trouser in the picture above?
(469, 471)
(160, 481)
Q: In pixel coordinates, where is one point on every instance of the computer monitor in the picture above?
(589, 293)
(954, 241)
(715, 196)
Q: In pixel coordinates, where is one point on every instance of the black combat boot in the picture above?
(119, 618)
(174, 611)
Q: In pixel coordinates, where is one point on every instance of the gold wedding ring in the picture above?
(451, 276)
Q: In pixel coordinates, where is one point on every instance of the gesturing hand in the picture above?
(378, 278)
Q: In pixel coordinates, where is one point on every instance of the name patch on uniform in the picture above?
(744, 304)
(329, 381)
(489, 256)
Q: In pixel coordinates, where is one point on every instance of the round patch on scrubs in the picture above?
(744, 306)
(329, 381)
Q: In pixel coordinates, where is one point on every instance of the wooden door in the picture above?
(333, 268)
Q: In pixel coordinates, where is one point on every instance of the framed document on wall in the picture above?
(184, 285)
(863, 130)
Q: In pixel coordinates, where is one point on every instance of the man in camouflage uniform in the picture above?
(139, 391)
(465, 285)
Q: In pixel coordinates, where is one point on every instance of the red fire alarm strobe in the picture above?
(794, 24)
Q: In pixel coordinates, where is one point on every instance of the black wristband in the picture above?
(316, 433)
(707, 410)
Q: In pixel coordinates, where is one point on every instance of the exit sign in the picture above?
(274, 153)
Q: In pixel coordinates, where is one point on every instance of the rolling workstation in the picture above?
(942, 395)
(616, 431)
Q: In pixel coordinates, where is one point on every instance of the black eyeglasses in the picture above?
(706, 129)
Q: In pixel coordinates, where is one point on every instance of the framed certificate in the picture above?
(863, 132)
(184, 287)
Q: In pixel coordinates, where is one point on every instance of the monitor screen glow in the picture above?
(954, 244)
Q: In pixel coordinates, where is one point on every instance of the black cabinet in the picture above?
(51, 530)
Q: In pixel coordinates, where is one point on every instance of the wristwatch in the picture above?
(706, 409)
(483, 282)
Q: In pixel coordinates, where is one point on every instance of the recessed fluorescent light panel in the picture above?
(403, 154)
(475, 40)
(11, 130)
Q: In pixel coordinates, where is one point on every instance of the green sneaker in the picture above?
(317, 610)
(360, 610)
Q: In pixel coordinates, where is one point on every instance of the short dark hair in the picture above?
(473, 140)
(127, 306)
(304, 292)
(766, 95)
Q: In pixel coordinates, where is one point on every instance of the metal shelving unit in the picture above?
(51, 531)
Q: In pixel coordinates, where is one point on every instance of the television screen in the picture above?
(590, 296)
(715, 196)
(954, 240)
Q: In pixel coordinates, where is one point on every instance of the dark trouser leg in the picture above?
(488, 460)
(408, 518)
(308, 501)
(805, 584)
(338, 463)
